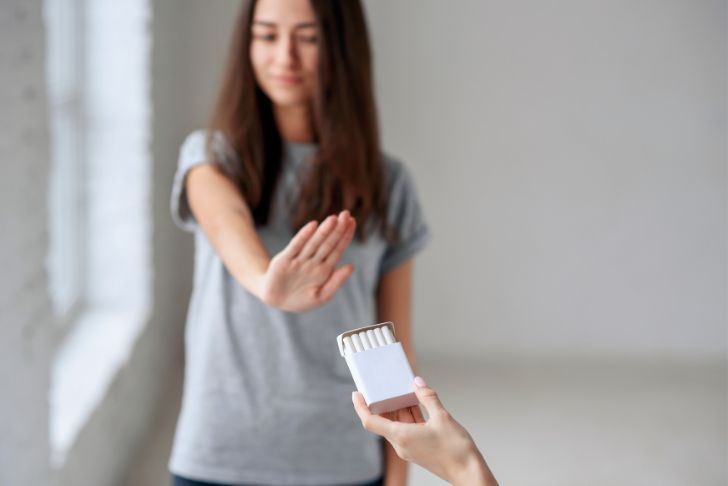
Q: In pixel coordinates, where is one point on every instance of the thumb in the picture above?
(428, 398)
(371, 422)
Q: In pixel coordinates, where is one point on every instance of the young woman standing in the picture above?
(293, 141)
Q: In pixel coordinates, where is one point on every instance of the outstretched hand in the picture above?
(439, 444)
(304, 275)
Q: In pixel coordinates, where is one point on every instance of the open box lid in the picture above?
(340, 337)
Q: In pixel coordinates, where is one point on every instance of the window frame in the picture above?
(65, 22)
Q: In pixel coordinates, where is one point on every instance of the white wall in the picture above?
(25, 310)
(572, 160)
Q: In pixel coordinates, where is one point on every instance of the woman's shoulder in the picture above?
(200, 136)
(396, 172)
(195, 144)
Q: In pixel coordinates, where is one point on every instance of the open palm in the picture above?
(304, 275)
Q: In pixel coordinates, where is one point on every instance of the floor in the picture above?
(563, 424)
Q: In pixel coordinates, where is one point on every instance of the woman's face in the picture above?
(284, 50)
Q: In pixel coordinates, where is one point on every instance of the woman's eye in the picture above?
(309, 39)
(265, 37)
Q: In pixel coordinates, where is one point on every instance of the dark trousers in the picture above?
(180, 481)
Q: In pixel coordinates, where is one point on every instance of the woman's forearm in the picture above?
(395, 468)
(475, 472)
(234, 238)
(225, 218)
(300, 277)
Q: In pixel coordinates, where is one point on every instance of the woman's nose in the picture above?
(286, 53)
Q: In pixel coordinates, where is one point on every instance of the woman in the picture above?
(293, 140)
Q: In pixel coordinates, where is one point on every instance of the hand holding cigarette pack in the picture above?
(379, 367)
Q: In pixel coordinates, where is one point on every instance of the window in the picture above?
(99, 259)
(65, 103)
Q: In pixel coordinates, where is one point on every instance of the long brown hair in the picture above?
(347, 172)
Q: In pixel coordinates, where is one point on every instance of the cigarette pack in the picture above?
(379, 366)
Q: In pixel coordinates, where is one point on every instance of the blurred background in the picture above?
(571, 158)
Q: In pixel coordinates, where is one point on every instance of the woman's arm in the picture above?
(394, 297)
(301, 277)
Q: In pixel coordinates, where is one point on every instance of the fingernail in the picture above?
(420, 382)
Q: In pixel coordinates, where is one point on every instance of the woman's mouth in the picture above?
(288, 79)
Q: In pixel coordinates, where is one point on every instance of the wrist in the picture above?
(257, 281)
(472, 471)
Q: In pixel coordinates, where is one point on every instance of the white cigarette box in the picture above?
(379, 366)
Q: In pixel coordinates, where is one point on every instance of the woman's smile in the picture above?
(287, 79)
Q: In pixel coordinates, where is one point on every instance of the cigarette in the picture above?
(388, 335)
(348, 345)
(379, 337)
(372, 339)
(365, 340)
(358, 346)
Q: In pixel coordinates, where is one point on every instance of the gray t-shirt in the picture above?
(267, 396)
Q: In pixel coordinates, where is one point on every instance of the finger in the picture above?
(405, 415)
(300, 239)
(335, 281)
(343, 243)
(319, 236)
(417, 414)
(428, 398)
(373, 423)
(328, 245)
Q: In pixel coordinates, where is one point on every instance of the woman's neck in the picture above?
(294, 123)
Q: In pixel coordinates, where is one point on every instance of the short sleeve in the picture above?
(192, 153)
(405, 216)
